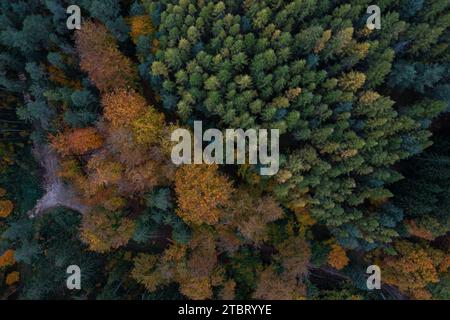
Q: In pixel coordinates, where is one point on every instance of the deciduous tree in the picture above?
(100, 57)
(7, 258)
(77, 141)
(337, 257)
(6, 207)
(122, 107)
(103, 230)
(202, 193)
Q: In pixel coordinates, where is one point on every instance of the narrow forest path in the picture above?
(57, 193)
(334, 275)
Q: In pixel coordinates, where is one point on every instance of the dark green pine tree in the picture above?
(423, 194)
(312, 70)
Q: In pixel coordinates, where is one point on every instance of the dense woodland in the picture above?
(85, 171)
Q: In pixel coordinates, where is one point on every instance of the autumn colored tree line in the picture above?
(352, 106)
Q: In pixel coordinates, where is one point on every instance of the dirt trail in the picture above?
(57, 194)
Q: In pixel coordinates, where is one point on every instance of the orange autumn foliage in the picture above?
(6, 207)
(418, 231)
(140, 26)
(7, 258)
(76, 141)
(413, 268)
(337, 258)
(100, 57)
(131, 159)
(123, 107)
(12, 278)
(202, 193)
(421, 294)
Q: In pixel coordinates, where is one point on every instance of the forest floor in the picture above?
(57, 193)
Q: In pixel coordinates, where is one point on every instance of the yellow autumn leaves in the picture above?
(7, 259)
(6, 206)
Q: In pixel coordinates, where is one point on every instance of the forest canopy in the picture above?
(86, 176)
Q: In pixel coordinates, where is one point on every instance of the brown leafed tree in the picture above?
(337, 257)
(122, 107)
(202, 193)
(140, 26)
(103, 171)
(413, 268)
(203, 256)
(100, 57)
(294, 255)
(272, 286)
(228, 290)
(76, 141)
(6, 207)
(7, 258)
(251, 213)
